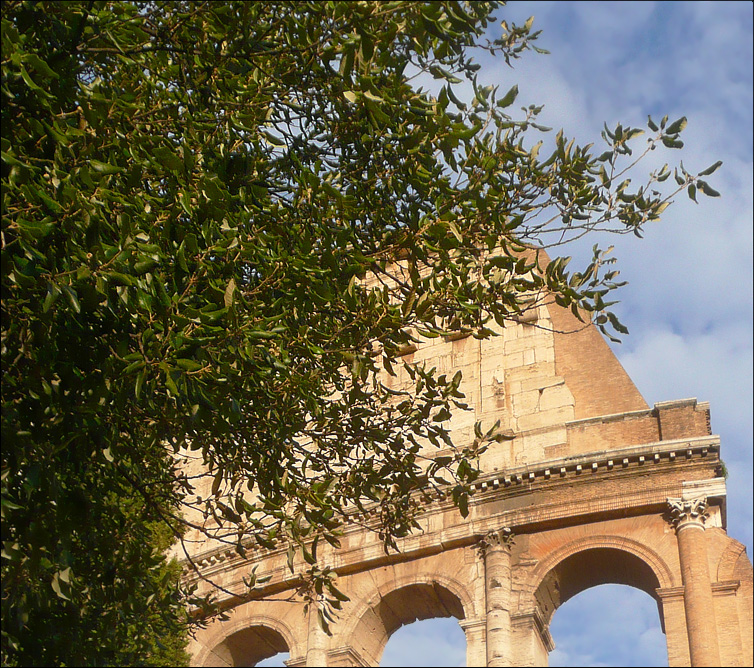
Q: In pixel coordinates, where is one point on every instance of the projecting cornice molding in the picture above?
(587, 468)
(607, 460)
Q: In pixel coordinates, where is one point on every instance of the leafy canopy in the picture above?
(223, 223)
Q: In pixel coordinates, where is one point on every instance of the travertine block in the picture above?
(514, 360)
(555, 396)
(545, 354)
(540, 383)
(545, 418)
(525, 403)
(531, 371)
(530, 342)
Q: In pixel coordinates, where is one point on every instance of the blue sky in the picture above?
(688, 304)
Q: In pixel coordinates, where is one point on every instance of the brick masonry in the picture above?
(583, 485)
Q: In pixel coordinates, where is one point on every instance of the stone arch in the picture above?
(729, 560)
(399, 602)
(591, 561)
(246, 642)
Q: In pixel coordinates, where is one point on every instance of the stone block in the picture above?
(537, 370)
(528, 343)
(541, 383)
(525, 403)
(557, 416)
(545, 354)
(513, 360)
(555, 397)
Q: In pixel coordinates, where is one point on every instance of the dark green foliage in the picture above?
(202, 206)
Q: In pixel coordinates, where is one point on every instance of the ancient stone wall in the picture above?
(593, 487)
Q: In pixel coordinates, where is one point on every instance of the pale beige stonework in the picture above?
(594, 487)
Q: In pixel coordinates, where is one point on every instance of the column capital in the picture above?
(499, 538)
(688, 512)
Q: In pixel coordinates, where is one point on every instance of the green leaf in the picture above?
(170, 384)
(712, 168)
(672, 143)
(438, 72)
(134, 366)
(57, 588)
(272, 139)
(30, 82)
(260, 334)
(140, 382)
(144, 266)
(40, 65)
(371, 96)
(463, 505)
(168, 159)
(616, 323)
(188, 365)
(229, 293)
(676, 126)
(211, 190)
(53, 292)
(289, 557)
(509, 98)
(707, 189)
(73, 299)
(322, 621)
(454, 229)
(185, 201)
(104, 167)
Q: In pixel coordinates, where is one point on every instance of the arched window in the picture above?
(611, 612)
(608, 625)
(248, 647)
(401, 607)
(431, 642)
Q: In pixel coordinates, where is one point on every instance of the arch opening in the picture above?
(248, 647)
(429, 642)
(415, 603)
(608, 625)
(590, 568)
(400, 607)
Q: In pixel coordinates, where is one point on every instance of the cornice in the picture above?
(590, 468)
(606, 460)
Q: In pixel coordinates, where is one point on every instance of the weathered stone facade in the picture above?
(595, 487)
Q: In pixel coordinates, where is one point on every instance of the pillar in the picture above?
(475, 650)
(496, 547)
(531, 638)
(316, 643)
(688, 516)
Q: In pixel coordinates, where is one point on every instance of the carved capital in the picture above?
(684, 512)
(500, 538)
